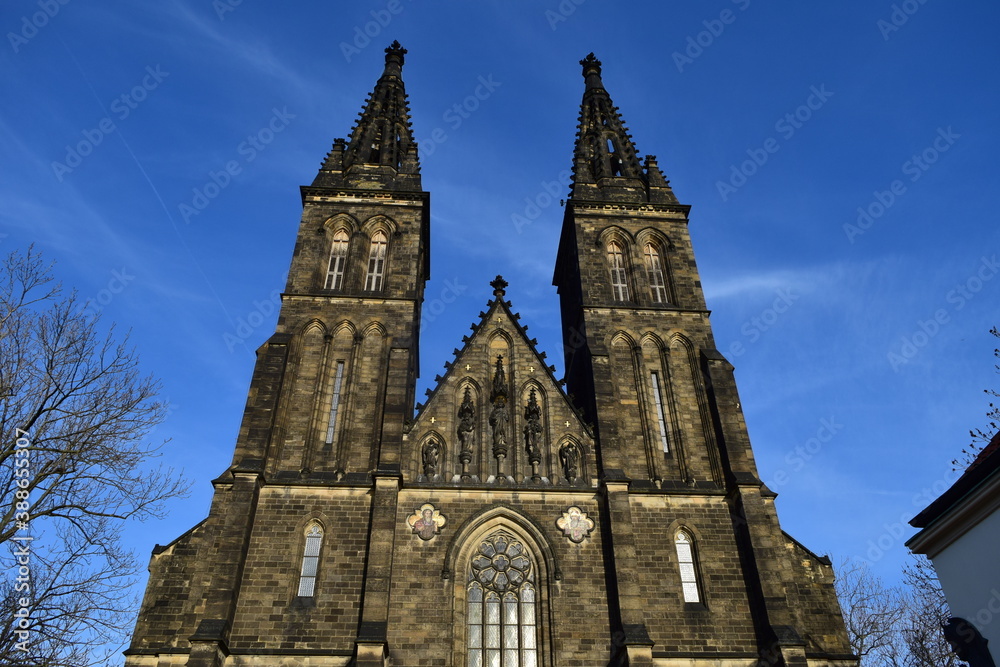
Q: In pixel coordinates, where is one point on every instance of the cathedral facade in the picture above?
(503, 524)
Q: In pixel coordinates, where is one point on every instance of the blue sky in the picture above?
(860, 338)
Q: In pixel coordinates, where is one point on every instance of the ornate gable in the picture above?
(498, 415)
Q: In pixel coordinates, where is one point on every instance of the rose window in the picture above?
(501, 564)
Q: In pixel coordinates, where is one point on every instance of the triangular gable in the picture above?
(478, 427)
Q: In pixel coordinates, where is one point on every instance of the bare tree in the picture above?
(895, 626)
(926, 614)
(981, 437)
(873, 613)
(75, 413)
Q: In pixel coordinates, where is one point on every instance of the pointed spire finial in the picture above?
(381, 152)
(592, 71)
(395, 51)
(499, 286)
(394, 60)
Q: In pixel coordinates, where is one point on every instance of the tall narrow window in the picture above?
(338, 261)
(685, 558)
(310, 561)
(338, 378)
(658, 397)
(619, 279)
(502, 623)
(654, 268)
(376, 262)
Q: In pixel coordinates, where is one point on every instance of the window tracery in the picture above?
(686, 560)
(654, 269)
(310, 560)
(502, 622)
(376, 261)
(338, 261)
(619, 277)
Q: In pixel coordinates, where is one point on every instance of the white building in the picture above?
(960, 533)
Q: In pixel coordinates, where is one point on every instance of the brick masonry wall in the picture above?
(269, 614)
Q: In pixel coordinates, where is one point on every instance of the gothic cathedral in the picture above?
(503, 524)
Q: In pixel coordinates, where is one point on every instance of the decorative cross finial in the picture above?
(395, 50)
(591, 64)
(499, 286)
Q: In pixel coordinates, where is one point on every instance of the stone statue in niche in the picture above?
(431, 456)
(499, 416)
(466, 428)
(569, 455)
(532, 434)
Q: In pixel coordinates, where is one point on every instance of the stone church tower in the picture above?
(504, 524)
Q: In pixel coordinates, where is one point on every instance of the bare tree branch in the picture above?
(76, 397)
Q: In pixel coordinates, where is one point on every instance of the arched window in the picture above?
(502, 618)
(688, 567)
(619, 278)
(338, 261)
(654, 269)
(614, 161)
(310, 560)
(376, 262)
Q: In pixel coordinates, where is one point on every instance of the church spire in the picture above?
(381, 152)
(605, 161)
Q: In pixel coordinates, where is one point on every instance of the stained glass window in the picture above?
(502, 619)
(619, 279)
(689, 575)
(310, 561)
(338, 261)
(331, 427)
(376, 262)
(654, 268)
(658, 397)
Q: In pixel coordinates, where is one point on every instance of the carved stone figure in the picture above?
(532, 428)
(466, 430)
(569, 455)
(499, 416)
(466, 420)
(431, 454)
